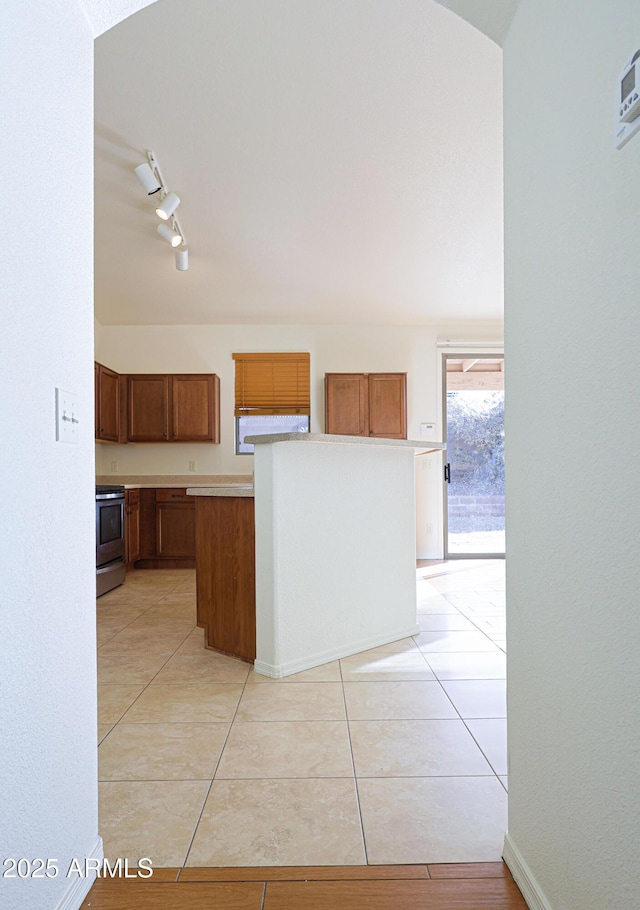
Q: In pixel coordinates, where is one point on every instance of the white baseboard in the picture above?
(288, 668)
(80, 885)
(524, 878)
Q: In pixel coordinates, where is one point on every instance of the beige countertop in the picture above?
(229, 490)
(422, 447)
(176, 481)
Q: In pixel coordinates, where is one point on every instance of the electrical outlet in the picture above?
(192, 467)
(114, 467)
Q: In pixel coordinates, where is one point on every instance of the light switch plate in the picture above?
(67, 421)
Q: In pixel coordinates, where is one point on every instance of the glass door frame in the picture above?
(460, 352)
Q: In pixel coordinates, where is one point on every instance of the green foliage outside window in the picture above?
(475, 441)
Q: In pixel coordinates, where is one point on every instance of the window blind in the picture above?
(272, 384)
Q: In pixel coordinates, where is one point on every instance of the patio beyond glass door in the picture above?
(474, 475)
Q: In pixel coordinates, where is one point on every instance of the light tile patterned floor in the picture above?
(395, 755)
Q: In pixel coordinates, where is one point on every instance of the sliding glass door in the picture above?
(474, 474)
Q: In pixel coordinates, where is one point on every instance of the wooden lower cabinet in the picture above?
(167, 535)
(225, 576)
(132, 526)
(175, 530)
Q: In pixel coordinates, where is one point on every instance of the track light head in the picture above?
(148, 179)
(168, 206)
(182, 258)
(150, 176)
(171, 236)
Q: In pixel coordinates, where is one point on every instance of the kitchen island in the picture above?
(225, 568)
(333, 568)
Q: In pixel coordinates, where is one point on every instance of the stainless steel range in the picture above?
(110, 567)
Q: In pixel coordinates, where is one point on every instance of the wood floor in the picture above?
(473, 886)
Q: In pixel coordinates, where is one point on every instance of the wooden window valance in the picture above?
(272, 384)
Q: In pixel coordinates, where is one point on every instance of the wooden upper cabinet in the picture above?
(107, 404)
(388, 405)
(96, 406)
(366, 404)
(173, 408)
(346, 398)
(194, 408)
(148, 408)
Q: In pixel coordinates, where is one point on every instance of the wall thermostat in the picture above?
(628, 101)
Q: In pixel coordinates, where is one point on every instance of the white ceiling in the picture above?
(338, 161)
(493, 17)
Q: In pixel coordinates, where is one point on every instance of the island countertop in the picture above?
(422, 447)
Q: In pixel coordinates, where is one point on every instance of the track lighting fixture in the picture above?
(150, 177)
(171, 236)
(168, 206)
(182, 259)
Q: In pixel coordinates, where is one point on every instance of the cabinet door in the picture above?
(226, 574)
(147, 524)
(132, 525)
(388, 405)
(107, 404)
(346, 404)
(148, 408)
(175, 530)
(96, 415)
(194, 408)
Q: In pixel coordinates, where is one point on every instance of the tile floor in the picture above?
(394, 755)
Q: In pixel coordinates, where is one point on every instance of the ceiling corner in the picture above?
(492, 17)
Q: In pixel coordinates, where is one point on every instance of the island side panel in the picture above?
(225, 574)
(267, 632)
(339, 528)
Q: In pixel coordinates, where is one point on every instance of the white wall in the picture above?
(573, 436)
(335, 569)
(48, 806)
(367, 348)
